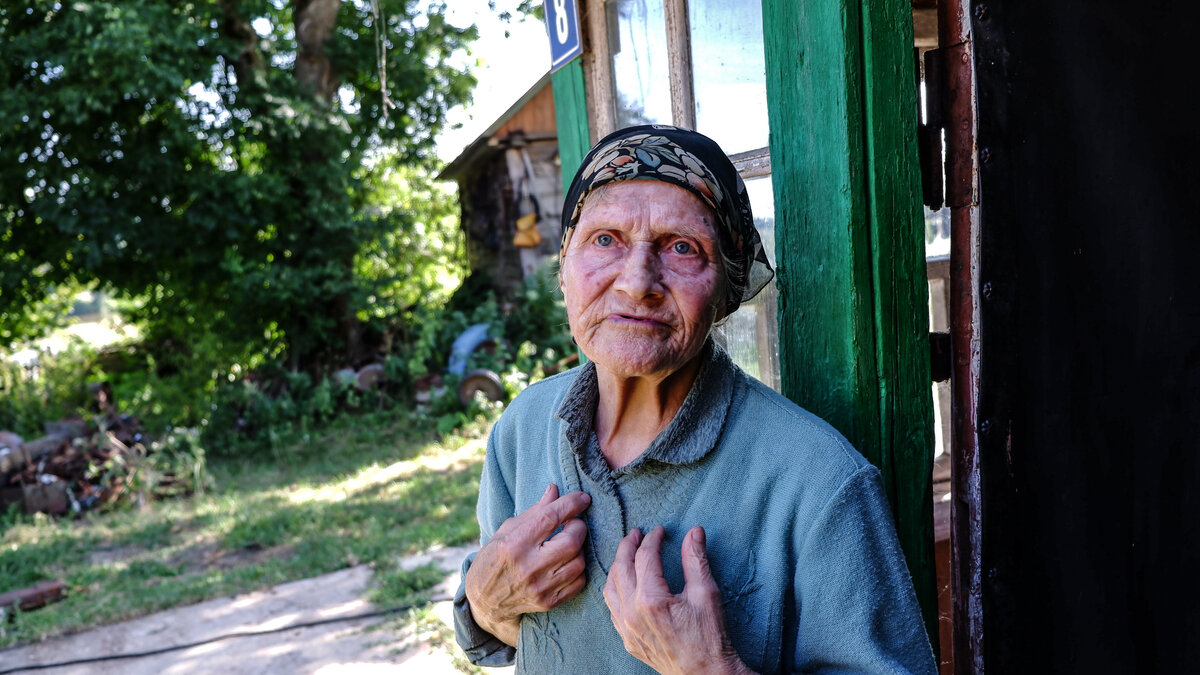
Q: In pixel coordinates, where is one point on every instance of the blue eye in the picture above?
(604, 240)
(682, 247)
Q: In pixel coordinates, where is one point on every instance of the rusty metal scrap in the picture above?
(38, 595)
(77, 466)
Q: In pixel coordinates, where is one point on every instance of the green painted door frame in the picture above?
(570, 112)
(571, 121)
(853, 312)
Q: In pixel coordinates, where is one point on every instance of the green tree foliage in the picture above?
(227, 162)
(420, 261)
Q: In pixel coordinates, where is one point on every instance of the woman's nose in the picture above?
(641, 274)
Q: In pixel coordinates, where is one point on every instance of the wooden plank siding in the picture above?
(535, 119)
(841, 95)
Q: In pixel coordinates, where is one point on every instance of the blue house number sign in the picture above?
(562, 21)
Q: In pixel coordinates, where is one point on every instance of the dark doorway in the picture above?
(1090, 319)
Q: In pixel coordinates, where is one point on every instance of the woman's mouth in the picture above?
(636, 320)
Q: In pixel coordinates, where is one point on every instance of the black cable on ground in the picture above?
(227, 636)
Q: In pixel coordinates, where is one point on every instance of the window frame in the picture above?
(599, 81)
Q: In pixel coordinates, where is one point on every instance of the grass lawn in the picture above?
(368, 489)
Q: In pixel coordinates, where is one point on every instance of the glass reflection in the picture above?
(637, 40)
(937, 232)
(751, 334)
(729, 73)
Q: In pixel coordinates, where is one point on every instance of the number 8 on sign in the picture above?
(561, 25)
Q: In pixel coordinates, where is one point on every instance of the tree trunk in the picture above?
(248, 62)
(314, 20)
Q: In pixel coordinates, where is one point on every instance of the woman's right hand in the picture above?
(523, 569)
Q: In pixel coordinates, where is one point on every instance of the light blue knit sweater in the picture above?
(799, 535)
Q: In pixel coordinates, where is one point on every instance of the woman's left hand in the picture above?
(682, 633)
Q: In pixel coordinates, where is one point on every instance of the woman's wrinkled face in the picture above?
(642, 277)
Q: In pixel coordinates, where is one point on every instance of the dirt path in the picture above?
(359, 646)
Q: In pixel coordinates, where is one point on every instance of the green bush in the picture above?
(176, 464)
(54, 388)
(539, 316)
(258, 413)
(252, 402)
(264, 411)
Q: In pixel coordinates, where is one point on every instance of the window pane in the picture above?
(729, 73)
(937, 232)
(637, 35)
(751, 334)
(762, 202)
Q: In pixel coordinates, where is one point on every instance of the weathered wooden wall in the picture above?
(535, 119)
(488, 217)
(497, 175)
(490, 194)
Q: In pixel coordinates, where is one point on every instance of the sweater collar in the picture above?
(688, 438)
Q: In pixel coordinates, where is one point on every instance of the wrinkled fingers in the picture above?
(621, 576)
(544, 518)
(568, 542)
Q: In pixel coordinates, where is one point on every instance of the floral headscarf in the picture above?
(694, 162)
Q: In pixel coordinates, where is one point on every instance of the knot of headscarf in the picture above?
(696, 163)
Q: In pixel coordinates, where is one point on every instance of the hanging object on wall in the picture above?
(528, 234)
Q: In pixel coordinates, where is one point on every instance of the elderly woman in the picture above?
(656, 508)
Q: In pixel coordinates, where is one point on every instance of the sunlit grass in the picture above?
(366, 490)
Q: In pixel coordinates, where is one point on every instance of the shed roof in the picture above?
(486, 144)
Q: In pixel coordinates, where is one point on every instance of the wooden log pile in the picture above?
(68, 469)
(75, 466)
